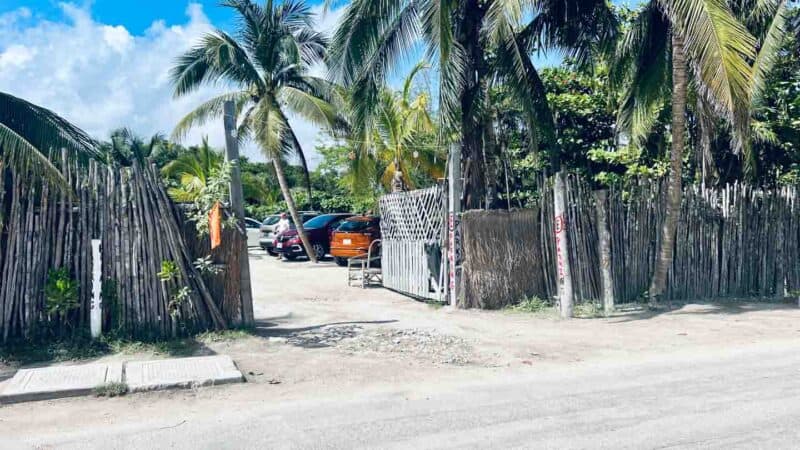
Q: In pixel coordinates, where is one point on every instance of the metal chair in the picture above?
(361, 267)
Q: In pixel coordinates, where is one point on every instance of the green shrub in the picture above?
(61, 292)
(588, 310)
(531, 304)
(114, 389)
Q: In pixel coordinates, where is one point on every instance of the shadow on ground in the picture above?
(731, 307)
(83, 350)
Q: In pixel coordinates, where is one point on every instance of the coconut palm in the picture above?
(668, 44)
(32, 137)
(195, 167)
(266, 62)
(124, 147)
(472, 41)
(400, 140)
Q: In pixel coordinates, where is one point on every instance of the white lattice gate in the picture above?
(412, 230)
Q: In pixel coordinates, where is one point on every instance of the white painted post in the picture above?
(562, 251)
(96, 313)
(453, 219)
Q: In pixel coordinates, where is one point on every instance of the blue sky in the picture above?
(136, 15)
(103, 64)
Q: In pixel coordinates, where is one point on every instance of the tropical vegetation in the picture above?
(686, 91)
(267, 61)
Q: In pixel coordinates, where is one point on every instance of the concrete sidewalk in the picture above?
(136, 376)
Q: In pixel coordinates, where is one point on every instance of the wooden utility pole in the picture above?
(237, 206)
(565, 300)
(604, 250)
(453, 223)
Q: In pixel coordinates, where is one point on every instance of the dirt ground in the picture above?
(317, 337)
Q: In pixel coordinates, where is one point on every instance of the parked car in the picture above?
(353, 237)
(268, 235)
(253, 228)
(319, 231)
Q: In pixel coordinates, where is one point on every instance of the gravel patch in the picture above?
(324, 337)
(416, 343)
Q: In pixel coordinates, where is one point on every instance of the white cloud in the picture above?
(15, 57)
(102, 77)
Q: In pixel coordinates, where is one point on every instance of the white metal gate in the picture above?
(410, 221)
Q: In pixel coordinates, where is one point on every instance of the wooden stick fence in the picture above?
(736, 241)
(130, 212)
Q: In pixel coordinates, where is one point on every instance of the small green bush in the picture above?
(531, 304)
(114, 389)
(61, 292)
(588, 310)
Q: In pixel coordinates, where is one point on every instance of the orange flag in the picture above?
(215, 225)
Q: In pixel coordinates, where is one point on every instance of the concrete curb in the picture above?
(50, 383)
(142, 376)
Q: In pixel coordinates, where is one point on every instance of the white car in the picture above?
(253, 228)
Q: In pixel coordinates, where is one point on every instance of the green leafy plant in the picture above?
(180, 297)
(588, 310)
(531, 304)
(215, 191)
(169, 270)
(114, 389)
(206, 266)
(61, 292)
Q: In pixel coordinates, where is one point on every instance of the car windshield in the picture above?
(318, 222)
(271, 220)
(355, 225)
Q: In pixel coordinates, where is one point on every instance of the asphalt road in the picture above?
(749, 399)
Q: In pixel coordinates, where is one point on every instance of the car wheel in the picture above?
(319, 251)
(341, 261)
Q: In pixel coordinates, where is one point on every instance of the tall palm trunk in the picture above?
(674, 189)
(468, 36)
(287, 195)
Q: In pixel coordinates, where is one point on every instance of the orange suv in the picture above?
(353, 237)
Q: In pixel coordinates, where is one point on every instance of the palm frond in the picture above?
(640, 70)
(515, 67)
(217, 57)
(768, 52)
(720, 49)
(19, 154)
(32, 137)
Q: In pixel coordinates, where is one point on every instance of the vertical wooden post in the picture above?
(604, 250)
(562, 250)
(453, 219)
(237, 205)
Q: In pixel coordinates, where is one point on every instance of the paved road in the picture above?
(745, 400)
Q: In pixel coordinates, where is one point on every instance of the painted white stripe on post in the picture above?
(96, 314)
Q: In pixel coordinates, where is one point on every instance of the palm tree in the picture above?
(401, 139)
(124, 147)
(267, 62)
(194, 168)
(674, 36)
(473, 42)
(32, 137)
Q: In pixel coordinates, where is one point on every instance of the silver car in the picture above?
(253, 228)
